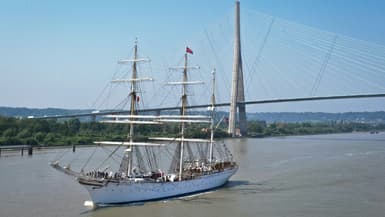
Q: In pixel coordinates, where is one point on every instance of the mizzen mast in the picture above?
(212, 108)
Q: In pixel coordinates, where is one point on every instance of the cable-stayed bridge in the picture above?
(270, 60)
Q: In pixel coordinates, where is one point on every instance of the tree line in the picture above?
(14, 131)
(262, 129)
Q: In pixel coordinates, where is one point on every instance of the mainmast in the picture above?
(183, 117)
(184, 87)
(183, 112)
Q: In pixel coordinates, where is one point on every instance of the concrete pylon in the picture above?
(237, 87)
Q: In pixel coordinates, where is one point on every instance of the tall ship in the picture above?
(156, 167)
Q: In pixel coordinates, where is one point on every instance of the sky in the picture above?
(62, 53)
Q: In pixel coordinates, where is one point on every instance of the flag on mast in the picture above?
(188, 50)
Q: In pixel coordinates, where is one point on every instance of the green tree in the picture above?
(39, 137)
(49, 139)
(73, 126)
(25, 133)
(11, 132)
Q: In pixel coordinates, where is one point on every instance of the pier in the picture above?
(21, 148)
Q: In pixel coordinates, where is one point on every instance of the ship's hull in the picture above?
(114, 193)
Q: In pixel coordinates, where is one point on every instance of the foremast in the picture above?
(132, 119)
(132, 106)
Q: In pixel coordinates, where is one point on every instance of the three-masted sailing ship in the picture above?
(195, 164)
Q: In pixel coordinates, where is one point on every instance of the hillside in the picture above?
(25, 112)
(270, 117)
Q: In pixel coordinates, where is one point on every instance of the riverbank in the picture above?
(260, 129)
(47, 133)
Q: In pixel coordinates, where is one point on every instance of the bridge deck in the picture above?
(220, 105)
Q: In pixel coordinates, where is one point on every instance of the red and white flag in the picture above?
(188, 50)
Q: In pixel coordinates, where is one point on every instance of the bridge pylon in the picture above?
(237, 116)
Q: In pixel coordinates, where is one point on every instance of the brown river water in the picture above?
(309, 176)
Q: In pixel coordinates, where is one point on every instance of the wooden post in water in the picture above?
(22, 151)
(30, 150)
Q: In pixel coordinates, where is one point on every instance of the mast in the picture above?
(183, 118)
(132, 107)
(184, 86)
(212, 119)
(183, 112)
(132, 119)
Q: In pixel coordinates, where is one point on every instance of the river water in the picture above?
(323, 175)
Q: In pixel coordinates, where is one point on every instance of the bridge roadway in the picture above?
(219, 105)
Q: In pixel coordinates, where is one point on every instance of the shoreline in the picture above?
(50, 147)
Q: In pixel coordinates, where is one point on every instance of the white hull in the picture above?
(128, 192)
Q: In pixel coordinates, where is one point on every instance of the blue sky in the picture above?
(61, 53)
